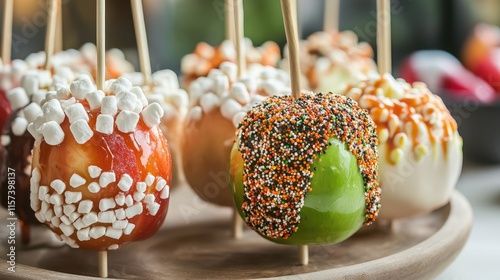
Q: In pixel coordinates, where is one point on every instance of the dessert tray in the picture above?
(195, 243)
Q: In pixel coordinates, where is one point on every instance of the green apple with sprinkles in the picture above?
(304, 171)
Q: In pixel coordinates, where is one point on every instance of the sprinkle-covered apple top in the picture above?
(328, 61)
(305, 171)
(205, 57)
(419, 145)
(101, 166)
(218, 103)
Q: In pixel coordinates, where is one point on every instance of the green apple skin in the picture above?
(334, 209)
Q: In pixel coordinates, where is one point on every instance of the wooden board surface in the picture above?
(195, 243)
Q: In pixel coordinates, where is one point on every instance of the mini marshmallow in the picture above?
(138, 196)
(94, 187)
(19, 126)
(97, 232)
(56, 199)
(120, 199)
(55, 221)
(221, 84)
(32, 111)
(94, 171)
(76, 180)
(81, 131)
(30, 83)
(58, 185)
(90, 219)
(106, 203)
(114, 233)
(74, 216)
(106, 178)
(240, 93)
(120, 224)
(238, 118)
(113, 247)
(65, 220)
(34, 202)
(272, 87)
(209, 101)
(129, 201)
(152, 114)
(141, 187)
(49, 215)
(58, 210)
(66, 229)
(134, 210)
(165, 193)
(17, 98)
(62, 92)
(120, 214)
(66, 103)
(104, 124)
(160, 184)
(229, 108)
(85, 206)
(195, 114)
(95, 99)
(52, 133)
(126, 100)
(153, 208)
(120, 84)
(76, 112)
(46, 199)
(149, 199)
(230, 69)
(150, 179)
(109, 105)
(52, 111)
(5, 140)
(83, 234)
(106, 217)
(82, 86)
(140, 95)
(69, 209)
(128, 230)
(126, 121)
(72, 197)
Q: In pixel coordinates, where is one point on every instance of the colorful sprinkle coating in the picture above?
(279, 140)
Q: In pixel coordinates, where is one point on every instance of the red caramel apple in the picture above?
(101, 167)
(205, 58)
(305, 171)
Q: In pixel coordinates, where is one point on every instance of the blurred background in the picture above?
(175, 27)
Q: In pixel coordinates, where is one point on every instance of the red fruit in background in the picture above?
(4, 109)
(489, 69)
(443, 72)
(483, 39)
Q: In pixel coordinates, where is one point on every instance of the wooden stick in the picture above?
(50, 34)
(101, 43)
(8, 10)
(293, 44)
(103, 264)
(229, 22)
(142, 40)
(237, 225)
(384, 36)
(239, 38)
(59, 29)
(295, 12)
(304, 254)
(331, 16)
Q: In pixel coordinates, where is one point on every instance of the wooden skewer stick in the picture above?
(8, 10)
(50, 34)
(142, 40)
(290, 23)
(237, 225)
(101, 73)
(331, 16)
(384, 36)
(59, 26)
(101, 44)
(304, 254)
(239, 38)
(229, 21)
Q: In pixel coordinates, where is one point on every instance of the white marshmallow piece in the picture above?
(19, 126)
(66, 229)
(140, 95)
(76, 112)
(165, 193)
(69, 209)
(126, 101)
(94, 171)
(120, 214)
(114, 233)
(126, 121)
(240, 93)
(160, 184)
(52, 133)
(30, 83)
(17, 98)
(120, 84)
(209, 101)
(152, 114)
(134, 210)
(95, 99)
(81, 131)
(76, 180)
(94, 187)
(106, 203)
(85, 206)
(53, 111)
(128, 230)
(109, 105)
(90, 219)
(120, 199)
(80, 87)
(32, 111)
(97, 232)
(106, 179)
(104, 124)
(83, 234)
(150, 179)
(141, 187)
(149, 199)
(153, 208)
(58, 185)
(106, 217)
(230, 108)
(72, 197)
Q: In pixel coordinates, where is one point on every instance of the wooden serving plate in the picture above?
(195, 243)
